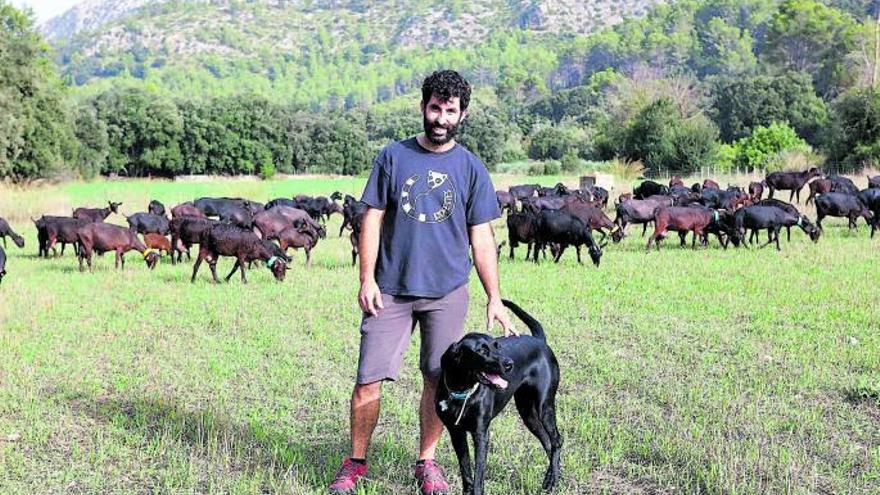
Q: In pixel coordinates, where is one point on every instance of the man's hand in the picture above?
(495, 311)
(370, 297)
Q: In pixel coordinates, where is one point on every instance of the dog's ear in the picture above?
(452, 357)
(455, 352)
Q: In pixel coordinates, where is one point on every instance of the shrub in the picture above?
(267, 171)
(766, 143)
(570, 162)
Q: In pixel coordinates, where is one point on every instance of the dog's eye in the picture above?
(496, 345)
(484, 350)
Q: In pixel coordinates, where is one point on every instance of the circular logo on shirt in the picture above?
(430, 199)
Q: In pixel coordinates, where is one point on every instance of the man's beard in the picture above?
(451, 131)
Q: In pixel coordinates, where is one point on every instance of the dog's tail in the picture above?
(535, 327)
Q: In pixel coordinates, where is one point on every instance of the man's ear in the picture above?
(464, 114)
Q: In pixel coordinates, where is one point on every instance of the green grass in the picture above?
(708, 371)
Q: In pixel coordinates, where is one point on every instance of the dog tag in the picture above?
(443, 405)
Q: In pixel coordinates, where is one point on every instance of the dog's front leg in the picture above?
(481, 449)
(459, 443)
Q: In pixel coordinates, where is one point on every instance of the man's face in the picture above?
(441, 119)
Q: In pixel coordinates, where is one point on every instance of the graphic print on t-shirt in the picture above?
(428, 200)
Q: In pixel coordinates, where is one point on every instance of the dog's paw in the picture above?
(550, 481)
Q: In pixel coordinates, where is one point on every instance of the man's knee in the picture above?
(430, 380)
(367, 392)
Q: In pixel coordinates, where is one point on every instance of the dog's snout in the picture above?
(508, 365)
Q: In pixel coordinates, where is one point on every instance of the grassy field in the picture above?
(708, 371)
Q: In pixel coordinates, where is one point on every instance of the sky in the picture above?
(46, 9)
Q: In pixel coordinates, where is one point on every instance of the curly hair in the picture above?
(446, 84)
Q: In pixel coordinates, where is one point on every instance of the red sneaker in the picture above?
(347, 477)
(430, 478)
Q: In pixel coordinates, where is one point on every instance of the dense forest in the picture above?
(696, 83)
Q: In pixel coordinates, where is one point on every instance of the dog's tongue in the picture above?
(496, 380)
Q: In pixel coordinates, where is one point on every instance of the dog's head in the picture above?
(478, 357)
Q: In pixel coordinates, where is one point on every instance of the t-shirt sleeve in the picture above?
(482, 206)
(378, 185)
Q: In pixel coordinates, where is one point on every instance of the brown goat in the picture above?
(158, 242)
(682, 220)
(104, 237)
(303, 236)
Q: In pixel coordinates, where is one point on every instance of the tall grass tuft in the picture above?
(625, 170)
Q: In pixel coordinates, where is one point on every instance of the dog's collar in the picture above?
(461, 395)
(458, 396)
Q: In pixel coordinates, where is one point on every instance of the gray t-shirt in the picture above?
(429, 199)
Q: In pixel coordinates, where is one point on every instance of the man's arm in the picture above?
(369, 297)
(486, 262)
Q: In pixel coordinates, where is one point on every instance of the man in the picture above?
(430, 201)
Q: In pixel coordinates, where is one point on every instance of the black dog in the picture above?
(479, 376)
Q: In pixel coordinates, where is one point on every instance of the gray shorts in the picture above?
(385, 337)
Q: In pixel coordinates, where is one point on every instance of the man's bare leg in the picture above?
(364, 416)
(431, 427)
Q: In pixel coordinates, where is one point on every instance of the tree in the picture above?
(554, 142)
(663, 139)
(144, 132)
(725, 49)
(855, 131)
(331, 143)
(578, 103)
(36, 130)
(743, 103)
(385, 124)
(485, 134)
(94, 145)
(808, 36)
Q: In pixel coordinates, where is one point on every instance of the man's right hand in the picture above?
(370, 298)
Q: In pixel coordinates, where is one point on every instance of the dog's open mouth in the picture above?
(494, 380)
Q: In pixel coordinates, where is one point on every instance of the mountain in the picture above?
(88, 16)
(350, 51)
(561, 16)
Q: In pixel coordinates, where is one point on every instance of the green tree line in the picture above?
(694, 84)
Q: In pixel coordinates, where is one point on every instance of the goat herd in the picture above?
(233, 227)
(539, 217)
(558, 217)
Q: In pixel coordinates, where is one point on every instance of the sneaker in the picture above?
(347, 477)
(430, 478)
